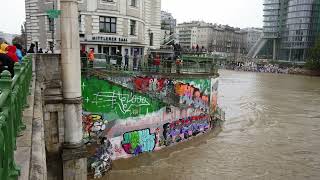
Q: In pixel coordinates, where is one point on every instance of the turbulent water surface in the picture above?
(272, 131)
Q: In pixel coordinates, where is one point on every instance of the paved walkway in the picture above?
(23, 153)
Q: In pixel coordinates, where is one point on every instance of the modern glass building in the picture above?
(291, 27)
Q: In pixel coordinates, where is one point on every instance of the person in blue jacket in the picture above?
(19, 52)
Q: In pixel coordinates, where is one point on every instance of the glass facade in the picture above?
(271, 27)
(293, 24)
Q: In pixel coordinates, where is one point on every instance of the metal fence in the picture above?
(13, 100)
(189, 65)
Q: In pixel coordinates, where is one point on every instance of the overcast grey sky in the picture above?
(239, 13)
(12, 15)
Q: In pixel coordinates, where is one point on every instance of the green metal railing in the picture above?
(189, 65)
(13, 100)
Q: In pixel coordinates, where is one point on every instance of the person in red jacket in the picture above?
(12, 53)
(91, 58)
(156, 62)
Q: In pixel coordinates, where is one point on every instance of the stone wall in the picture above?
(48, 73)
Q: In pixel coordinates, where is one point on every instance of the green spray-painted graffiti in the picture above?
(203, 84)
(100, 96)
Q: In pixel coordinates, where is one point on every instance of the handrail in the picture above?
(13, 99)
(189, 65)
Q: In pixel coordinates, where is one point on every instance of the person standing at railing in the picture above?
(178, 64)
(119, 60)
(3, 48)
(156, 62)
(91, 58)
(126, 62)
(7, 60)
(12, 54)
(31, 49)
(135, 62)
(84, 61)
(19, 52)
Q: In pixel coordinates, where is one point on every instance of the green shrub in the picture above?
(313, 65)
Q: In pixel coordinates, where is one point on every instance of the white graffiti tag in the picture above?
(125, 102)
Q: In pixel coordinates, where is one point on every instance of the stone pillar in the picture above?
(74, 154)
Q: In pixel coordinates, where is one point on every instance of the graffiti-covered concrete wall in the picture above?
(131, 115)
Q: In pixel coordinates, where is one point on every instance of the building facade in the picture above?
(106, 26)
(252, 35)
(195, 34)
(208, 37)
(228, 40)
(187, 34)
(291, 27)
(168, 28)
(204, 37)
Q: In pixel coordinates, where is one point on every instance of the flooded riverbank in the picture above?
(272, 131)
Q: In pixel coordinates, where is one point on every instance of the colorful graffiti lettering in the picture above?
(159, 86)
(191, 96)
(101, 96)
(136, 142)
(101, 161)
(185, 128)
(203, 84)
(138, 120)
(93, 127)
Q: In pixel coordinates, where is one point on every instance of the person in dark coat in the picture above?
(135, 62)
(119, 59)
(126, 62)
(31, 49)
(6, 64)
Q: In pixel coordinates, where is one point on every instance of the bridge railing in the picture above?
(189, 65)
(13, 100)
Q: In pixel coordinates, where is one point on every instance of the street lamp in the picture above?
(150, 37)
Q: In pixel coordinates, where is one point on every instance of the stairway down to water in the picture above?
(257, 48)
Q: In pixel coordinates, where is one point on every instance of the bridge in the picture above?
(64, 118)
(32, 117)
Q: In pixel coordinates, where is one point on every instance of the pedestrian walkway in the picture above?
(13, 100)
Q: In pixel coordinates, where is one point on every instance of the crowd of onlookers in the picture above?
(9, 55)
(12, 54)
(267, 68)
(151, 62)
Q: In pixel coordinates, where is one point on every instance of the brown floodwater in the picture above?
(272, 131)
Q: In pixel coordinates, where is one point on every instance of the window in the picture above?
(104, 1)
(132, 27)
(133, 3)
(108, 24)
(51, 24)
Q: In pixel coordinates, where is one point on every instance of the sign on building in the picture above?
(53, 13)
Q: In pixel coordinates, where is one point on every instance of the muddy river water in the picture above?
(272, 131)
